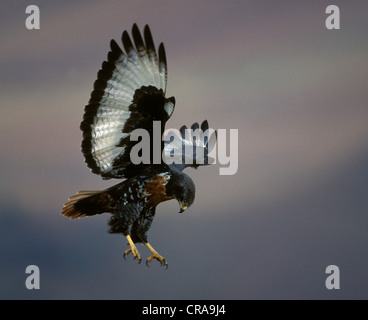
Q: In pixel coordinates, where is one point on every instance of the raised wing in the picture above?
(190, 147)
(129, 93)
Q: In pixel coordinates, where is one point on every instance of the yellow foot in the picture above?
(133, 249)
(156, 256)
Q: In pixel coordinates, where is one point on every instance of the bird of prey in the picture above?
(129, 94)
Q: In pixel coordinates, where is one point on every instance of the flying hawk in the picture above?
(129, 94)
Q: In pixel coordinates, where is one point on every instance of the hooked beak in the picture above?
(182, 207)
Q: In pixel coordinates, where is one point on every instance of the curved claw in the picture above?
(126, 252)
(164, 263)
(134, 252)
(159, 258)
(137, 258)
(155, 255)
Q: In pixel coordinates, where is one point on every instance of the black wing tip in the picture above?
(125, 38)
(172, 100)
(147, 28)
(162, 53)
(204, 125)
(147, 34)
(135, 26)
(127, 42)
(124, 35)
(115, 48)
(182, 131)
(138, 40)
(162, 59)
(195, 126)
(135, 31)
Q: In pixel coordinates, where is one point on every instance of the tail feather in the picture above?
(87, 203)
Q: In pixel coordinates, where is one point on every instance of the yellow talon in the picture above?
(155, 255)
(133, 249)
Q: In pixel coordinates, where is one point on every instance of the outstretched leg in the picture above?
(139, 231)
(133, 249)
(155, 255)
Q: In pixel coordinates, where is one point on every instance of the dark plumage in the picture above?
(129, 94)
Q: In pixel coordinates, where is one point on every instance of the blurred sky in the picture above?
(296, 92)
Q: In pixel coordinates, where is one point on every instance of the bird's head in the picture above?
(181, 187)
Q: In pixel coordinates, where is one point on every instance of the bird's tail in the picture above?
(87, 203)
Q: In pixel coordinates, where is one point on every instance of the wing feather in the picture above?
(190, 147)
(126, 96)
